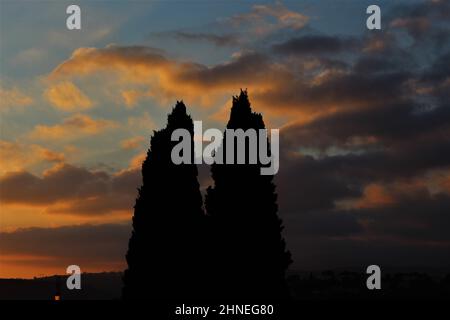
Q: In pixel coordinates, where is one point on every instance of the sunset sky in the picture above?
(364, 116)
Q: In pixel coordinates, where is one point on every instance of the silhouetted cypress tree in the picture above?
(251, 258)
(164, 255)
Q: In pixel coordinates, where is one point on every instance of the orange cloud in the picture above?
(265, 19)
(67, 97)
(136, 161)
(22, 215)
(381, 195)
(74, 127)
(415, 24)
(13, 98)
(168, 79)
(18, 156)
(305, 88)
(142, 122)
(132, 143)
(374, 196)
(131, 97)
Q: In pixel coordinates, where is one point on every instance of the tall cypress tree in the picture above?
(164, 255)
(250, 254)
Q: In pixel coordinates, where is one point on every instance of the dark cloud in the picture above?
(84, 245)
(323, 223)
(216, 39)
(251, 68)
(370, 64)
(347, 90)
(438, 72)
(426, 22)
(415, 226)
(319, 253)
(390, 126)
(417, 216)
(317, 44)
(79, 190)
(306, 184)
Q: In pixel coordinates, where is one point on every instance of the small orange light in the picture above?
(57, 298)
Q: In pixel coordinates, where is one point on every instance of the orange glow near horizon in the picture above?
(29, 267)
(16, 216)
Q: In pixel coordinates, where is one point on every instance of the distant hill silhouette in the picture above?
(94, 286)
(326, 285)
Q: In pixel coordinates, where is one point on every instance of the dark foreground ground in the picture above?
(335, 285)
